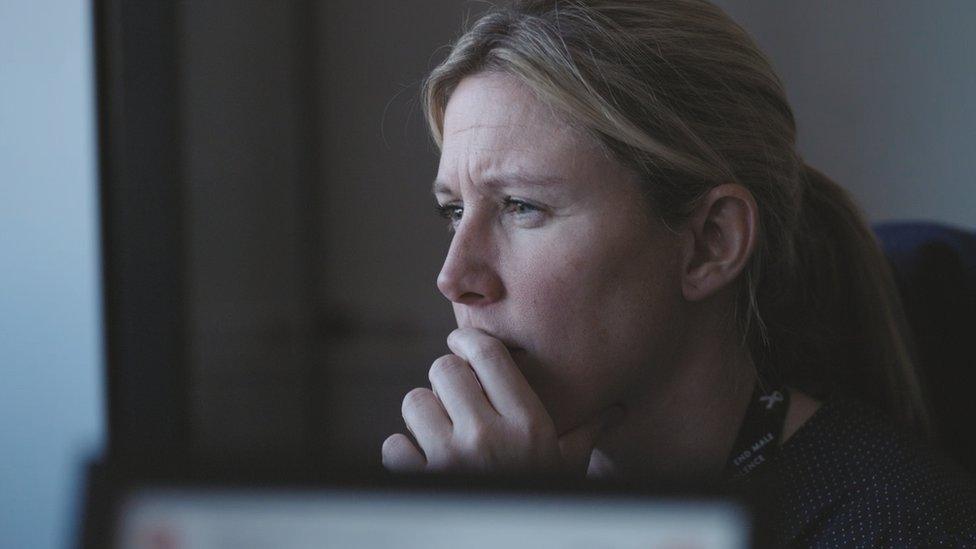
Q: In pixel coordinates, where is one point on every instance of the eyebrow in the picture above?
(508, 179)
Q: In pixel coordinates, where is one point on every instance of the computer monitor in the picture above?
(170, 516)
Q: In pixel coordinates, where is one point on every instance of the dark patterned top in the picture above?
(849, 478)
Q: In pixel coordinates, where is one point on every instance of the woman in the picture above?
(649, 281)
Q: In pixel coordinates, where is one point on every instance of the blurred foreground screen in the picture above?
(189, 519)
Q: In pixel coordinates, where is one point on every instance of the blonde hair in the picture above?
(679, 93)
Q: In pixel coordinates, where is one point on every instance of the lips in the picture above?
(512, 348)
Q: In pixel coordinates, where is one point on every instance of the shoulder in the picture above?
(850, 476)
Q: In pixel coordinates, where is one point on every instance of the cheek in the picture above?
(546, 295)
(595, 293)
(597, 315)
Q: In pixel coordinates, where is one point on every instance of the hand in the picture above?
(483, 416)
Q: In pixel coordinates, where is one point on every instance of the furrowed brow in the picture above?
(505, 180)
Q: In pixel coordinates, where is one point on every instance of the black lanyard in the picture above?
(760, 433)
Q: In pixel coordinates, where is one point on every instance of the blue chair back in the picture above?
(935, 269)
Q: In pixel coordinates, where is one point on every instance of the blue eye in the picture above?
(520, 207)
(523, 211)
(452, 213)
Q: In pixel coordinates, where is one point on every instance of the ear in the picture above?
(718, 240)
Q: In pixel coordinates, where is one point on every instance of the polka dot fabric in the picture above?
(849, 478)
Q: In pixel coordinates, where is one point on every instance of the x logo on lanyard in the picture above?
(771, 399)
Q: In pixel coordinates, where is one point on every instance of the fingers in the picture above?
(459, 391)
(427, 420)
(481, 413)
(505, 386)
(399, 454)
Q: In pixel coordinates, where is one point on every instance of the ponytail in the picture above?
(841, 325)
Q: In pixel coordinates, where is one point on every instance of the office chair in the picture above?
(935, 269)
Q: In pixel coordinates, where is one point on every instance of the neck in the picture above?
(685, 427)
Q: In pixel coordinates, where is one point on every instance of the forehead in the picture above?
(495, 121)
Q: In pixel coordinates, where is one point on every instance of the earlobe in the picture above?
(719, 240)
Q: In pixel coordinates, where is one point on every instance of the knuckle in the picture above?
(393, 445)
(441, 463)
(415, 398)
(475, 438)
(446, 366)
(399, 454)
(533, 430)
(536, 431)
(488, 350)
(455, 334)
(440, 456)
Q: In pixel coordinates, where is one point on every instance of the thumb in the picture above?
(577, 445)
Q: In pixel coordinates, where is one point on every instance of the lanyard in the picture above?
(760, 433)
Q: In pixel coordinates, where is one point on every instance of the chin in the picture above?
(566, 408)
(569, 404)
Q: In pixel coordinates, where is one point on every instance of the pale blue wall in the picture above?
(884, 94)
(51, 416)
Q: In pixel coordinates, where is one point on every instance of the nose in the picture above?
(469, 274)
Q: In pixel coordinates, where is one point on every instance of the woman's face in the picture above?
(554, 252)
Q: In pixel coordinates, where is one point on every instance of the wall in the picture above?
(885, 97)
(246, 209)
(51, 417)
(382, 244)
